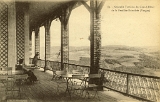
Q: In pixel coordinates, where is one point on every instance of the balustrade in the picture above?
(136, 85)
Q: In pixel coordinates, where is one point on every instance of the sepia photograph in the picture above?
(79, 51)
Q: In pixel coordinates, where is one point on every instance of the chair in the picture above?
(11, 84)
(6, 79)
(93, 87)
(59, 79)
(77, 84)
(8, 70)
(3, 79)
(8, 85)
(77, 72)
(54, 74)
(19, 80)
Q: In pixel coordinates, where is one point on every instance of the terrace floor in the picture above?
(45, 91)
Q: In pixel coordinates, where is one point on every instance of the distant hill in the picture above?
(150, 49)
(122, 47)
(115, 57)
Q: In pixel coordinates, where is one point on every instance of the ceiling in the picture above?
(42, 9)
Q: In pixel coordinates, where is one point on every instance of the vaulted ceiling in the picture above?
(42, 9)
(39, 11)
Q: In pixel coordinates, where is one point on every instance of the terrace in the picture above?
(18, 19)
(45, 91)
(137, 86)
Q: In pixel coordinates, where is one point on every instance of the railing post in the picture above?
(40, 63)
(127, 90)
(75, 67)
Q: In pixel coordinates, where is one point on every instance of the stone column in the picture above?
(12, 57)
(64, 36)
(37, 40)
(26, 34)
(47, 43)
(95, 33)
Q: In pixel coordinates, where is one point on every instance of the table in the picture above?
(3, 76)
(17, 72)
(67, 77)
(3, 72)
(73, 76)
(3, 79)
(30, 65)
(10, 81)
(19, 80)
(30, 68)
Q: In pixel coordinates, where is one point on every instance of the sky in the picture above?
(131, 28)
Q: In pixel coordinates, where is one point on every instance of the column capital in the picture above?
(47, 24)
(36, 29)
(30, 34)
(86, 6)
(100, 6)
(65, 14)
(96, 7)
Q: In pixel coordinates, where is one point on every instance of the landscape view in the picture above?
(129, 45)
(139, 60)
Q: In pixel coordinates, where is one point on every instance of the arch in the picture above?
(33, 44)
(79, 31)
(55, 34)
(42, 42)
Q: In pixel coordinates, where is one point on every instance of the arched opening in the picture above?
(42, 42)
(79, 31)
(33, 44)
(55, 34)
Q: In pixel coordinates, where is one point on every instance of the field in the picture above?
(132, 59)
(140, 60)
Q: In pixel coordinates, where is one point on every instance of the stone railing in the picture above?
(139, 86)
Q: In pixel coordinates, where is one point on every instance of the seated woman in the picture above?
(35, 59)
(31, 76)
